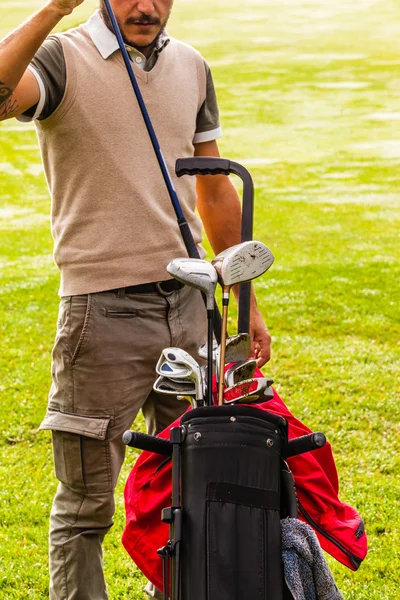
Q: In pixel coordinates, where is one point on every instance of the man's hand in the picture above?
(64, 7)
(260, 338)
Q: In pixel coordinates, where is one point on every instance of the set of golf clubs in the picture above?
(179, 373)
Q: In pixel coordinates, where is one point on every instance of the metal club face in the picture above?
(237, 348)
(196, 273)
(164, 385)
(242, 263)
(176, 358)
(172, 370)
(240, 371)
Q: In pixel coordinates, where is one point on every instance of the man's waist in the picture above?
(167, 287)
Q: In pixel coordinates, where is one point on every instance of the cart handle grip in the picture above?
(305, 443)
(151, 443)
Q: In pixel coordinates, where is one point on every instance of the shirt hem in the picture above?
(75, 280)
(207, 136)
(42, 98)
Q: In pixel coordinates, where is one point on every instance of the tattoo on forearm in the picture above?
(8, 103)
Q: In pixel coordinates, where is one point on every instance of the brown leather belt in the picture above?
(168, 286)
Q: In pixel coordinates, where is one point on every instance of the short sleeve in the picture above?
(207, 125)
(48, 67)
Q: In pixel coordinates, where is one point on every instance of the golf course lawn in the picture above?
(309, 92)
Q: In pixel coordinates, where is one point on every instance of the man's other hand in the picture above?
(260, 338)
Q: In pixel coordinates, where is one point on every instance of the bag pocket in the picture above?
(81, 450)
(242, 543)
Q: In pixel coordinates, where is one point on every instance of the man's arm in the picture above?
(19, 89)
(220, 211)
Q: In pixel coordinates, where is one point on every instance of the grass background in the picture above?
(309, 96)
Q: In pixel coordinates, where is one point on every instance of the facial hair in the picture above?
(142, 19)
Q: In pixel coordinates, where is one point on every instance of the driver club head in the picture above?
(242, 263)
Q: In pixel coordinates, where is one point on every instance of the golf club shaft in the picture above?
(225, 304)
(210, 318)
(186, 233)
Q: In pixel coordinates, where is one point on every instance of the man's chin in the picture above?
(141, 38)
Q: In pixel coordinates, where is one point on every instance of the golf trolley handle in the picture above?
(203, 165)
(305, 443)
(151, 443)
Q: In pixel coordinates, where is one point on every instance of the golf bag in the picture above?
(230, 489)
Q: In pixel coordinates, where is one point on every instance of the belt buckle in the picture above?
(161, 291)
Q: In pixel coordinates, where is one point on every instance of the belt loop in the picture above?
(161, 291)
(121, 293)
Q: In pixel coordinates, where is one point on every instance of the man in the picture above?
(114, 232)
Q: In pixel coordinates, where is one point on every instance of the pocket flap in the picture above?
(93, 427)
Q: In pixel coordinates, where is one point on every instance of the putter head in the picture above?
(251, 390)
(196, 273)
(242, 263)
(240, 371)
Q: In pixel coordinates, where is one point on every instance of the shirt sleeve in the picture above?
(48, 67)
(207, 125)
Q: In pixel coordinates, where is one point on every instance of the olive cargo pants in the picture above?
(106, 349)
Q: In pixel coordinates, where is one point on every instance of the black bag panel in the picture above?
(230, 491)
(235, 554)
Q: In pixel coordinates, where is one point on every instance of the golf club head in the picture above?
(251, 390)
(238, 348)
(203, 350)
(196, 273)
(164, 385)
(178, 356)
(172, 370)
(242, 263)
(240, 371)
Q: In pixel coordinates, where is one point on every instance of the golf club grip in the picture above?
(244, 308)
(151, 443)
(203, 165)
(306, 443)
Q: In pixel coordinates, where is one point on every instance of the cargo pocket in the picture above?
(81, 450)
(243, 542)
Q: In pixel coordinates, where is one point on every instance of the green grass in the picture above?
(309, 93)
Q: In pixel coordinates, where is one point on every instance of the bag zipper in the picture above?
(356, 562)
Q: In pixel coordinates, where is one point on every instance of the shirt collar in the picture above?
(106, 42)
